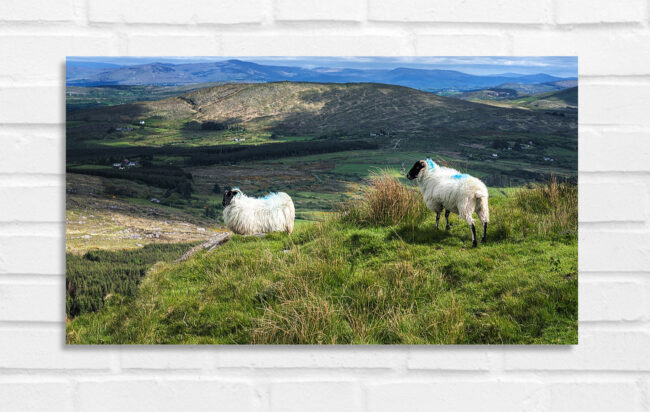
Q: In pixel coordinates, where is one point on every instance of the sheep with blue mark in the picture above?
(245, 215)
(444, 188)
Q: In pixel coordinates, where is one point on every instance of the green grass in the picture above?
(295, 138)
(352, 165)
(350, 280)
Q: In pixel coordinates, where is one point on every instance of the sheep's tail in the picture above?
(482, 208)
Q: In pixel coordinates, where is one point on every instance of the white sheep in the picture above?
(446, 188)
(249, 215)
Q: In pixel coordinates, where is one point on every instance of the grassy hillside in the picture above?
(84, 97)
(564, 102)
(367, 276)
(114, 214)
(298, 108)
(563, 99)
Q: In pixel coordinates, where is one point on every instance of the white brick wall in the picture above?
(608, 371)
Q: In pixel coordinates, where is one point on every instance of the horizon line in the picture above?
(566, 66)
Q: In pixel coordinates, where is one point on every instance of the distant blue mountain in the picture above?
(87, 74)
(97, 65)
(80, 70)
(537, 78)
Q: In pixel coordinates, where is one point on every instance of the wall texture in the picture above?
(608, 370)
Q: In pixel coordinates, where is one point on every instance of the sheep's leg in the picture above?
(483, 212)
(437, 219)
(466, 208)
(447, 226)
(470, 221)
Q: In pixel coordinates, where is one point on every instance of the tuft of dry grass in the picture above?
(548, 209)
(385, 201)
(309, 319)
(555, 205)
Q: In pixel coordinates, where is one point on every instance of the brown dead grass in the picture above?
(385, 201)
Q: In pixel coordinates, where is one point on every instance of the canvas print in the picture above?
(321, 200)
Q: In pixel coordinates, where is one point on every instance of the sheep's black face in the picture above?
(415, 170)
(228, 196)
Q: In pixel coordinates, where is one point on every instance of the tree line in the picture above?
(277, 150)
(172, 178)
(98, 273)
(204, 155)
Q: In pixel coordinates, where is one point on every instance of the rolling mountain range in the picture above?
(82, 74)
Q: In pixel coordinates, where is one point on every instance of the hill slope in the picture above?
(509, 91)
(493, 93)
(564, 100)
(289, 119)
(82, 97)
(347, 281)
(299, 108)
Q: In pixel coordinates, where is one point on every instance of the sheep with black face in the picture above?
(249, 215)
(447, 189)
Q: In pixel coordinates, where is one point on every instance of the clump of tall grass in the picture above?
(555, 204)
(384, 200)
(548, 209)
(311, 319)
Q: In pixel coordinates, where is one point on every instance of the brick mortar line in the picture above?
(315, 375)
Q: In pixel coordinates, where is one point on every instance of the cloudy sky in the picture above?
(563, 66)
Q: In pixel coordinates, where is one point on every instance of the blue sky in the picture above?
(563, 66)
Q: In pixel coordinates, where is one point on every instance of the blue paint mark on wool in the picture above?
(431, 164)
(459, 176)
(270, 195)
